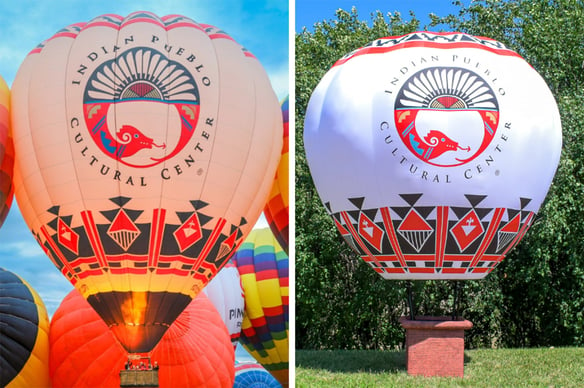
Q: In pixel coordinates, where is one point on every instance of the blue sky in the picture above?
(309, 12)
(259, 25)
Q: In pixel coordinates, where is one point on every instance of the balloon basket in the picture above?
(435, 346)
(139, 372)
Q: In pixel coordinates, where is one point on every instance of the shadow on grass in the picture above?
(351, 361)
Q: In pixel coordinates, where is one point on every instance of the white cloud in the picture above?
(22, 249)
(280, 78)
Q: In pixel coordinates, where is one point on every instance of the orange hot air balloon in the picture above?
(146, 148)
(276, 210)
(194, 352)
(24, 334)
(6, 153)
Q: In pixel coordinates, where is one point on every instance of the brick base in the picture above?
(435, 346)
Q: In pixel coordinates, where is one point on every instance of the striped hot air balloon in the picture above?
(24, 334)
(146, 147)
(263, 266)
(276, 210)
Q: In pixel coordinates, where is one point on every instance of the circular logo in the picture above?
(446, 116)
(141, 108)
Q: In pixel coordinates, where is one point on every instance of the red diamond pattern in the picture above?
(67, 237)
(467, 230)
(189, 233)
(372, 233)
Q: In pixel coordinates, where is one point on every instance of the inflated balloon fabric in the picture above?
(226, 293)
(24, 334)
(146, 147)
(432, 152)
(252, 375)
(194, 352)
(276, 210)
(6, 153)
(263, 266)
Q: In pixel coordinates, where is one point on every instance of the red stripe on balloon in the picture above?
(355, 235)
(412, 44)
(93, 236)
(385, 215)
(156, 235)
(57, 250)
(441, 234)
(493, 225)
(210, 242)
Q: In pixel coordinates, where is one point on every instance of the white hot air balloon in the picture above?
(226, 293)
(432, 152)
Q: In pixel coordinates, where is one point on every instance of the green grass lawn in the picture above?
(539, 367)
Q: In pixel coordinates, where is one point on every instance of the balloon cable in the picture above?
(410, 299)
(456, 302)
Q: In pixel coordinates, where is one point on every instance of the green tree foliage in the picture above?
(340, 302)
(536, 296)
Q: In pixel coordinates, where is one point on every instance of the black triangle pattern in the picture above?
(451, 252)
(358, 202)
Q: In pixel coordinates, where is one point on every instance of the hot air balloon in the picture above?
(6, 153)
(194, 352)
(226, 293)
(254, 375)
(276, 210)
(263, 267)
(24, 334)
(146, 147)
(432, 152)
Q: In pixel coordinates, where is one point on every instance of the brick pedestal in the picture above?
(435, 346)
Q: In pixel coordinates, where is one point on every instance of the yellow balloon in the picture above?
(25, 334)
(263, 266)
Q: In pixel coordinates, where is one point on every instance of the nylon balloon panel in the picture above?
(263, 267)
(432, 152)
(276, 209)
(194, 352)
(430, 241)
(24, 327)
(144, 157)
(6, 153)
(253, 375)
(226, 292)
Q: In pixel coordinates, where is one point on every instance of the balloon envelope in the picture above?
(226, 293)
(276, 210)
(146, 148)
(263, 267)
(6, 153)
(248, 375)
(432, 152)
(24, 334)
(194, 352)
